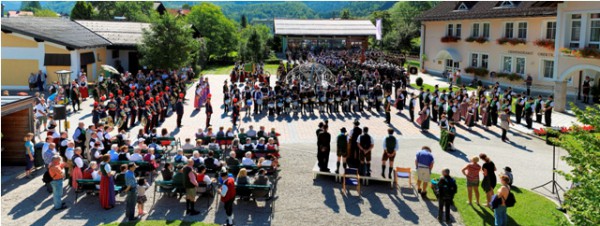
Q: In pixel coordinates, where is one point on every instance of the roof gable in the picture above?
(60, 31)
(488, 9)
(117, 32)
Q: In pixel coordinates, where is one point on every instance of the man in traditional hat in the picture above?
(179, 111)
(342, 149)
(352, 158)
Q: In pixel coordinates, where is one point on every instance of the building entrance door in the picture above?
(451, 65)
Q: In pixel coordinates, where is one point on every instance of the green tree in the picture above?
(244, 21)
(403, 25)
(105, 10)
(255, 47)
(30, 6)
(168, 44)
(219, 32)
(345, 15)
(135, 11)
(44, 13)
(254, 43)
(186, 6)
(581, 200)
(82, 11)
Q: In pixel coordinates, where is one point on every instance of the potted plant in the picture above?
(481, 40)
(551, 136)
(419, 81)
(447, 38)
(546, 43)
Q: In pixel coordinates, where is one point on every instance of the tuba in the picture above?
(109, 121)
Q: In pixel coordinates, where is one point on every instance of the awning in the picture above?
(448, 54)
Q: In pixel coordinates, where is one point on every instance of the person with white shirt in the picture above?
(390, 146)
(247, 160)
(198, 160)
(70, 151)
(114, 154)
(137, 156)
(180, 158)
(95, 173)
(188, 144)
(41, 113)
(251, 132)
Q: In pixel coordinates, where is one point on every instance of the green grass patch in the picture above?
(415, 63)
(530, 209)
(161, 222)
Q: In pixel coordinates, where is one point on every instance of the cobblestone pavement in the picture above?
(300, 199)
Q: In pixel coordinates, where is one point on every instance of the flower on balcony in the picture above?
(546, 43)
(587, 52)
(479, 40)
(446, 39)
(512, 41)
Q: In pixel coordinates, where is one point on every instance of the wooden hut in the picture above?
(17, 120)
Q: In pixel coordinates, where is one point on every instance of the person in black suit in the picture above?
(324, 141)
(179, 111)
(209, 111)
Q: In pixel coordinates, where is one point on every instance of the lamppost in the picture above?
(64, 77)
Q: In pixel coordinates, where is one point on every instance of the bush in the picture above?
(419, 81)
(479, 71)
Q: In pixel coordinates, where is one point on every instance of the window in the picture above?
(522, 33)
(551, 30)
(458, 30)
(475, 30)
(474, 59)
(484, 61)
(508, 30)
(449, 32)
(520, 66)
(575, 30)
(507, 64)
(594, 31)
(486, 30)
(463, 7)
(548, 68)
(507, 4)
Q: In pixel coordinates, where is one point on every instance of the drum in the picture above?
(338, 99)
(127, 109)
(305, 100)
(288, 100)
(330, 100)
(380, 98)
(313, 99)
(354, 102)
(279, 105)
(363, 97)
(322, 99)
(227, 101)
(295, 103)
(271, 105)
(249, 102)
(371, 100)
(259, 101)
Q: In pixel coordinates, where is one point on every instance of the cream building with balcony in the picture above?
(516, 38)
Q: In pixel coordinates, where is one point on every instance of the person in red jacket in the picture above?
(227, 192)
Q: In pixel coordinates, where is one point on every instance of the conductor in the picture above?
(323, 142)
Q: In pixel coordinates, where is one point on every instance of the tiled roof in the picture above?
(447, 10)
(117, 32)
(324, 27)
(56, 30)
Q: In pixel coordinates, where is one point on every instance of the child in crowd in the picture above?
(141, 195)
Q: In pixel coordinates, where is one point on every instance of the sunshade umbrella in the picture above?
(109, 68)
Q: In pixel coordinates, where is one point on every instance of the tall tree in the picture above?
(403, 26)
(581, 200)
(44, 13)
(134, 11)
(82, 11)
(345, 14)
(105, 10)
(244, 21)
(219, 32)
(186, 6)
(255, 47)
(30, 6)
(167, 50)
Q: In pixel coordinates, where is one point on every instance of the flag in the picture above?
(378, 27)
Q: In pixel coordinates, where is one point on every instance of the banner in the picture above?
(378, 27)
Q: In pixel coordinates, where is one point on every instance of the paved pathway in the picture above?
(300, 199)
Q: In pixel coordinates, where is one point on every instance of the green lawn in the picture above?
(225, 70)
(415, 63)
(161, 222)
(530, 209)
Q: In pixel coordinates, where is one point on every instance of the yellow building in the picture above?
(32, 44)
(519, 38)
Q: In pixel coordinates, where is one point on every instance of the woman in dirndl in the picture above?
(469, 121)
(424, 118)
(463, 107)
(485, 119)
(197, 97)
(107, 184)
(78, 167)
(83, 88)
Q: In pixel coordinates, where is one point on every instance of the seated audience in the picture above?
(231, 160)
(247, 160)
(137, 155)
(188, 144)
(261, 178)
(180, 158)
(242, 177)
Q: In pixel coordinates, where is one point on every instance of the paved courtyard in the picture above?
(299, 199)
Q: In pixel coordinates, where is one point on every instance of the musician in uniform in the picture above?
(529, 113)
(411, 107)
(494, 107)
(378, 97)
(363, 94)
(434, 106)
(519, 107)
(586, 89)
(388, 107)
(547, 109)
(258, 101)
(112, 106)
(121, 120)
(538, 109)
(74, 96)
(133, 109)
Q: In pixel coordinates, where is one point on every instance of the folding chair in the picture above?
(402, 172)
(351, 177)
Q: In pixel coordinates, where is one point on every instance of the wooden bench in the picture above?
(255, 153)
(218, 154)
(89, 186)
(254, 191)
(252, 169)
(169, 187)
(143, 167)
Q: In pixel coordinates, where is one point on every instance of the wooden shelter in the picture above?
(17, 120)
